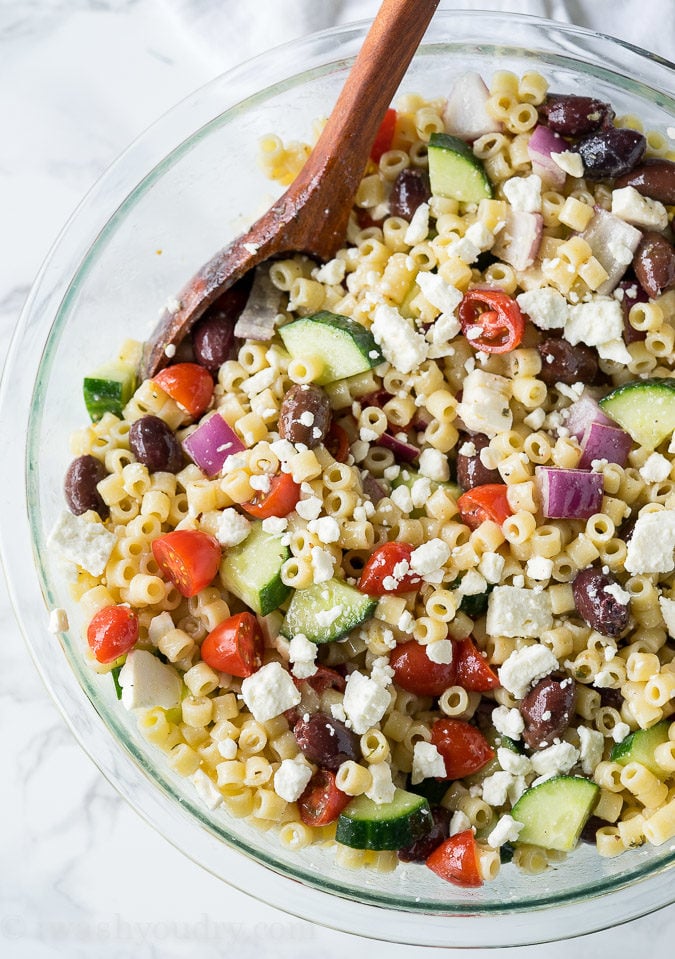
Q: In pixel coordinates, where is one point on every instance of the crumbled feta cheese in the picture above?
(420, 492)
(479, 234)
(668, 613)
(546, 308)
(365, 702)
(401, 496)
(146, 682)
(86, 544)
(491, 566)
(439, 651)
(506, 830)
(326, 528)
(269, 692)
(467, 448)
(326, 617)
(508, 722)
(434, 465)
(535, 419)
(651, 548)
(619, 594)
(556, 759)
(309, 508)
(323, 564)
(381, 789)
(227, 748)
(539, 567)
(523, 193)
(261, 482)
(392, 472)
(400, 343)
(516, 763)
(465, 248)
(440, 294)
(640, 211)
(485, 403)
(592, 744)
(655, 469)
(406, 621)
(291, 778)
(418, 230)
(331, 273)
(472, 583)
(620, 731)
(516, 611)
(233, 528)
(569, 163)
(206, 789)
(58, 621)
(595, 323)
(526, 666)
(430, 557)
(381, 672)
(460, 822)
(307, 418)
(496, 788)
(302, 653)
(444, 329)
(427, 762)
(275, 525)
(614, 350)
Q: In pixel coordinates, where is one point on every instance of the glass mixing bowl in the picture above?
(179, 193)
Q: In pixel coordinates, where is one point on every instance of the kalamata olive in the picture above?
(563, 363)
(599, 608)
(655, 178)
(590, 829)
(154, 444)
(611, 697)
(573, 116)
(654, 264)
(610, 152)
(419, 850)
(82, 476)
(213, 335)
(326, 741)
(547, 709)
(305, 415)
(470, 469)
(630, 293)
(409, 190)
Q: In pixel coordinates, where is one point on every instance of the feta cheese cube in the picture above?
(620, 731)
(526, 666)
(546, 308)
(640, 211)
(508, 722)
(326, 528)
(569, 163)
(429, 557)
(491, 566)
(427, 762)
(506, 830)
(233, 528)
(539, 567)
(516, 763)
(291, 778)
(596, 322)
(592, 744)
(434, 465)
(523, 193)
(87, 544)
(206, 789)
(396, 336)
(460, 822)
(365, 702)
(517, 611)
(269, 692)
(496, 788)
(381, 789)
(146, 682)
(651, 548)
(555, 760)
(485, 403)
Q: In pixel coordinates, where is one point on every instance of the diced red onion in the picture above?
(518, 240)
(613, 243)
(603, 442)
(540, 146)
(465, 113)
(582, 414)
(258, 318)
(211, 444)
(401, 449)
(569, 494)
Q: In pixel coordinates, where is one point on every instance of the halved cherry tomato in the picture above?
(235, 646)
(384, 136)
(456, 860)
(473, 671)
(415, 672)
(337, 443)
(491, 321)
(280, 499)
(464, 748)
(388, 571)
(324, 678)
(321, 802)
(189, 384)
(488, 502)
(112, 632)
(189, 558)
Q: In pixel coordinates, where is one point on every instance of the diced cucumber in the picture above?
(433, 790)
(327, 611)
(639, 747)
(365, 824)
(474, 606)
(109, 389)
(554, 812)
(252, 570)
(454, 170)
(645, 409)
(115, 673)
(344, 346)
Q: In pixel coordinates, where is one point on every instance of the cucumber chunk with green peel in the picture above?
(343, 346)
(554, 812)
(327, 611)
(365, 824)
(455, 172)
(109, 389)
(252, 570)
(645, 409)
(639, 747)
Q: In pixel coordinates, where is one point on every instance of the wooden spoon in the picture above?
(312, 215)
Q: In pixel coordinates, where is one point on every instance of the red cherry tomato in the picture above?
(388, 571)
(488, 502)
(235, 646)
(337, 443)
(189, 558)
(456, 860)
(324, 678)
(189, 384)
(491, 321)
(112, 632)
(415, 672)
(464, 748)
(473, 671)
(280, 499)
(321, 802)
(384, 136)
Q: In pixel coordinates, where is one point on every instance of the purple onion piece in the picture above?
(569, 494)
(603, 442)
(401, 449)
(211, 444)
(541, 145)
(465, 114)
(582, 414)
(372, 488)
(518, 242)
(258, 318)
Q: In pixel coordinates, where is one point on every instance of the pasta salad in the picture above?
(384, 557)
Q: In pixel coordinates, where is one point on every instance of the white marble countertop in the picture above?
(82, 874)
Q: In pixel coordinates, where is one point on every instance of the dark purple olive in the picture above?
(654, 264)
(547, 710)
(213, 335)
(154, 444)
(611, 152)
(655, 178)
(631, 293)
(470, 469)
(422, 848)
(573, 116)
(611, 697)
(305, 415)
(82, 477)
(600, 609)
(563, 363)
(326, 741)
(627, 528)
(409, 190)
(590, 829)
